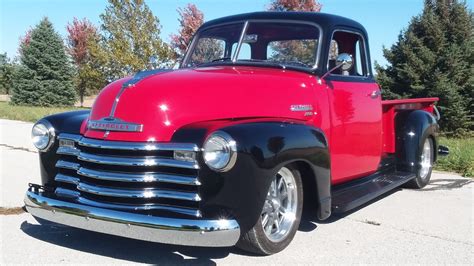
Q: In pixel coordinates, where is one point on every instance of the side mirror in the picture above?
(343, 61)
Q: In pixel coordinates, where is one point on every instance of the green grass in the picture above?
(30, 113)
(460, 158)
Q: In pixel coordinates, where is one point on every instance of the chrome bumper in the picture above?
(208, 233)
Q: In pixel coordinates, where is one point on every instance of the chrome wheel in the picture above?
(426, 159)
(279, 211)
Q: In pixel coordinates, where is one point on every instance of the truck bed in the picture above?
(390, 108)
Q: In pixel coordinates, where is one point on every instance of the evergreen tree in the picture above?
(6, 74)
(131, 36)
(434, 57)
(89, 57)
(44, 77)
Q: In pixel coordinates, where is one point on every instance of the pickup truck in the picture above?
(270, 115)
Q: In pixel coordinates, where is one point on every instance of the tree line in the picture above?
(433, 56)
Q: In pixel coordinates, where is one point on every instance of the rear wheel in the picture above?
(280, 217)
(425, 165)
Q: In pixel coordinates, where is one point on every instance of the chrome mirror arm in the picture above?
(320, 80)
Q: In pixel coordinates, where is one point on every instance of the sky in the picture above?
(383, 19)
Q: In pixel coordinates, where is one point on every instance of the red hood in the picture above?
(167, 101)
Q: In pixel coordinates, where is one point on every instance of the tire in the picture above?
(278, 233)
(425, 165)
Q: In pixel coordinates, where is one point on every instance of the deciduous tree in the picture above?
(295, 5)
(84, 47)
(190, 19)
(131, 36)
(434, 56)
(44, 76)
(294, 50)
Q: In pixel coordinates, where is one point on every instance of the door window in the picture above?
(353, 44)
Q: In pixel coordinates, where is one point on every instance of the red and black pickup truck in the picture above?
(269, 114)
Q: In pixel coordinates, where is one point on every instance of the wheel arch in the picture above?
(264, 146)
(412, 128)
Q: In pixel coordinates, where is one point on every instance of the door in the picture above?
(356, 111)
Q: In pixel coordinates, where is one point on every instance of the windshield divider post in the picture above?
(241, 39)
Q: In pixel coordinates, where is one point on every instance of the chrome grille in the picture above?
(127, 176)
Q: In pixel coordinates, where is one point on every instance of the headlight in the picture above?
(220, 151)
(42, 135)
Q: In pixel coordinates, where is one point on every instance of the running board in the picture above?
(354, 194)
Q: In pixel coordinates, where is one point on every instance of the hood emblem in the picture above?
(114, 124)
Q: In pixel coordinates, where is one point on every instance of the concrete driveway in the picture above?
(429, 226)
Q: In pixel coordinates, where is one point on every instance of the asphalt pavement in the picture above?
(429, 226)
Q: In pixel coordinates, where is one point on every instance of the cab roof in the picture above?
(322, 19)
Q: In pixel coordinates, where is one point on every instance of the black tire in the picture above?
(423, 178)
(256, 241)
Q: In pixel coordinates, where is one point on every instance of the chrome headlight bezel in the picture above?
(228, 148)
(48, 129)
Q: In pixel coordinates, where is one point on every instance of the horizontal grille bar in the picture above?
(67, 179)
(130, 146)
(137, 193)
(144, 207)
(131, 161)
(67, 165)
(138, 177)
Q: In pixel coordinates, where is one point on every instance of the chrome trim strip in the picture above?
(241, 39)
(62, 192)
(68, 151)
(138, 177)
(67, 179)
(131, 146)
(210, 233)
(67, 165)
(136, 146)
(143, 207)
(72, 137)
(137, 193)
(131, 161)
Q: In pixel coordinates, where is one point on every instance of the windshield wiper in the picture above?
(221, 59)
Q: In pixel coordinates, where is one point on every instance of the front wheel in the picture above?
(425, 165)
(280, 217)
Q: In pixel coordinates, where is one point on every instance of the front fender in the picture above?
(263, 148)
(68, 122)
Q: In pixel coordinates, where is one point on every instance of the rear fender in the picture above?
(412, 128)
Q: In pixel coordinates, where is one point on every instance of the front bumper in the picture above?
(208, 233)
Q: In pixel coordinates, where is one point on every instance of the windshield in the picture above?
(276, 43)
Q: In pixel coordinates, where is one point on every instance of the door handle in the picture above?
(375, 94)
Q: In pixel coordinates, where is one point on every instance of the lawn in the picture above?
(460, 159)
(29, 113)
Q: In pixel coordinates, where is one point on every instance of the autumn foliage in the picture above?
(80, 31)
(295, 5)
(191, 18)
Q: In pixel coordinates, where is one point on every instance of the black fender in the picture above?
(412, 128)
(263, 147)
(67, 122)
